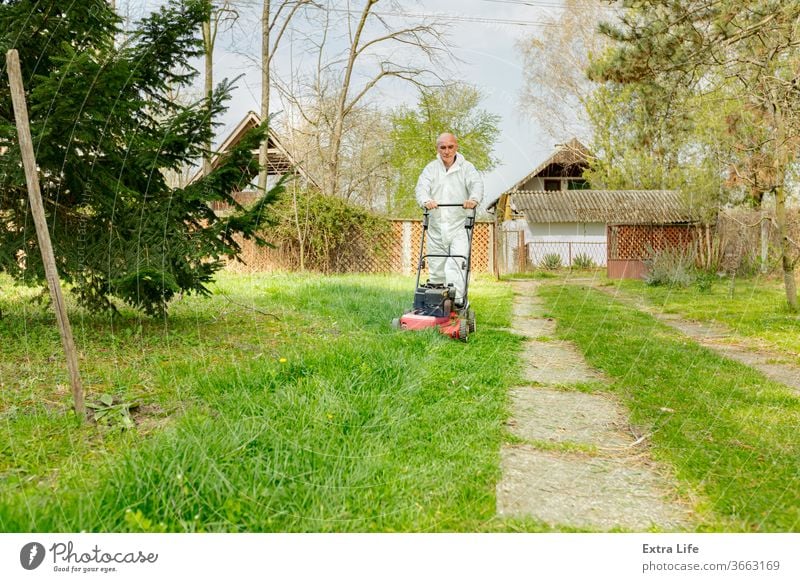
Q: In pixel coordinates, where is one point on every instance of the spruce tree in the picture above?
(105, 134)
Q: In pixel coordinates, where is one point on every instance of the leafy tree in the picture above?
(745, 52)
(105, 133)
(454, 109)
(643, 140)
(555, 58)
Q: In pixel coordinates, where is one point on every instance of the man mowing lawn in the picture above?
(449, 179)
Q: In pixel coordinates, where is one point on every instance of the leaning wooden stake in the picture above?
(37, 208)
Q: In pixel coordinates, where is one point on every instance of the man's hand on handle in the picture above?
(431, 204)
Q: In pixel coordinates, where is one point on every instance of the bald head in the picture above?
(446, 137)
(446, 147)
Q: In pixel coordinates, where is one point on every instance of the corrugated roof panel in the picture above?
(606, 206)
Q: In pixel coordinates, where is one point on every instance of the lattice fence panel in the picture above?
(481, 247)
(416, 233)
(638, 242)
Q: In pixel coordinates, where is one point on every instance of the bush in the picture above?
(331, 234)
(582, 261)
(672, 267)
(705, 281)
(551, 261)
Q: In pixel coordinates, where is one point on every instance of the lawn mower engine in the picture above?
(434, 307)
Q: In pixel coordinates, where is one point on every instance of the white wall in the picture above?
(568, 229)
(567, 239)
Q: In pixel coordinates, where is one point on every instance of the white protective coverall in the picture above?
(446, 232)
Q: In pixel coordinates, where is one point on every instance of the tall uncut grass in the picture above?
(281, 403)
(751, 307)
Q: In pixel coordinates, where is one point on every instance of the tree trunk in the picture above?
(208, 45)
(263, 150)
(764, 236)
(782, 162)
(301, 228)
(786, 262)
(338, 126)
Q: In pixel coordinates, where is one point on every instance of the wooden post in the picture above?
(37, 209)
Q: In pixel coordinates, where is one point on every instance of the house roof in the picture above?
(572, 153)
(605, 206)
(279, 159)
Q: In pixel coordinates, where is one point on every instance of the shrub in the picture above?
(672, 267)
(582, 261)
(331, 234)
(551, 261)
(705, 281)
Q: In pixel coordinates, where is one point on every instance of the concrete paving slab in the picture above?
(540, 414)
(556, 362)
(586, 493)
(525, 308)
(533, 328)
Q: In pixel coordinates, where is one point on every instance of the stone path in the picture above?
(717, 337)
(577, 463)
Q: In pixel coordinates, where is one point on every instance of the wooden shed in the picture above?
(553, 210)
(627, 225)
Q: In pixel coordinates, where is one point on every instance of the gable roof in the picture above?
(279, 159)
(604, 206)
(572, 153)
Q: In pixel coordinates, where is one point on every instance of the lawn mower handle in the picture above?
(469, 225)
(470, 217)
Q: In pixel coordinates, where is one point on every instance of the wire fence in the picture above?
(395, 251)
(568, 253)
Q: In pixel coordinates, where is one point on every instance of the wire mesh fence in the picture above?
(394, 251)
(566, 253)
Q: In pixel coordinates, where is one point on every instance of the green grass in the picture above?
(280, 403)
(729, 435)
(529, 275)
(756, 309)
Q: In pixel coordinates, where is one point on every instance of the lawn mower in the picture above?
(435, 303)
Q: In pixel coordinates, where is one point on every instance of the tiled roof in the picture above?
(568, 154)
(279, 160)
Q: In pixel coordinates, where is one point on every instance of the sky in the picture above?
(482, 33)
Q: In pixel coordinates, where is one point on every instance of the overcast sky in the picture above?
(482, 33)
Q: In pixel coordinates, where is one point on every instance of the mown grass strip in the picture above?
(754, 307)
(728, 433)
(321, 418)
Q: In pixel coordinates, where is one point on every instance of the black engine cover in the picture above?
(434, 300)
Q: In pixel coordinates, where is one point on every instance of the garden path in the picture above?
(575, 461)
(721, 339)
